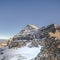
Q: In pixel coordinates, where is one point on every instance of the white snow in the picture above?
(33, 26)
(29, 43)
(24, 53)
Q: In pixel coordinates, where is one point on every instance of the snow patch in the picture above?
(24, 53)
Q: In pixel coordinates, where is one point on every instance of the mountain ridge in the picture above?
(29, 33)
(44, 42)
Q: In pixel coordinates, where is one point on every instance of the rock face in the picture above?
(51, 47)
(48, 37)
(27, 35)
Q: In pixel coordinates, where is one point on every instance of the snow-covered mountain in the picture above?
(25, 36)
(28, 29)
(31, 43)
(32, 36)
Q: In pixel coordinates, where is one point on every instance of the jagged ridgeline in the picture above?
(26, 35)
(48, 37)
(51, 48)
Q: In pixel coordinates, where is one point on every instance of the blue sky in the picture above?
(16, 14)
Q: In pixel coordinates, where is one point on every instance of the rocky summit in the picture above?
(48, 37)
(26, 35)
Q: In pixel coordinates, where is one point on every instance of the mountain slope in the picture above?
(34, 43)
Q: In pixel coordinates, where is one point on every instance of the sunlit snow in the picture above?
(24, 53)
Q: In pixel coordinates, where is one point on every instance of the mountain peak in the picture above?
(32, 26)
(28, 29)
